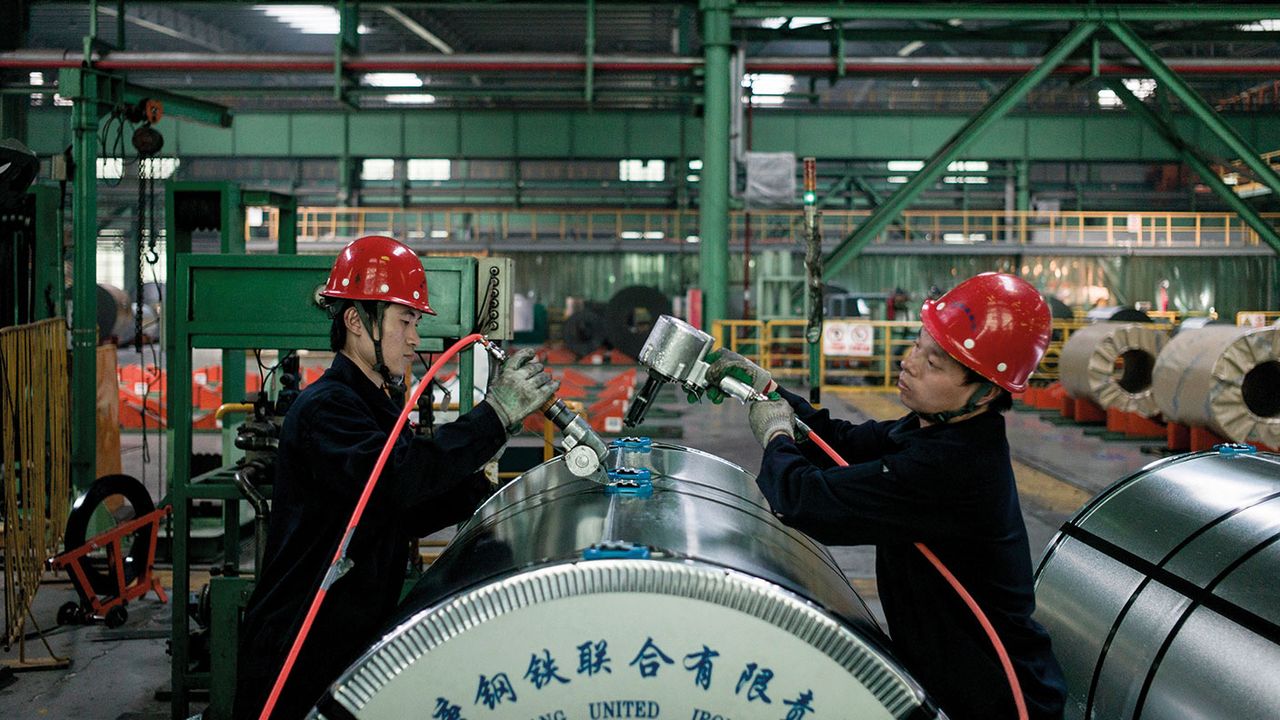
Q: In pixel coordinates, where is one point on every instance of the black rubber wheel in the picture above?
(583, 332)
(69, 614)
(630, 316)
(100, 576)
(116, 616)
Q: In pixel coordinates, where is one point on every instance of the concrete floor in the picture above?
(116, 674)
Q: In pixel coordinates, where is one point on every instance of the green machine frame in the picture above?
(206, 308)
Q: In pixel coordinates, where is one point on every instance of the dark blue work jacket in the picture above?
(329, 443)
(951, 487)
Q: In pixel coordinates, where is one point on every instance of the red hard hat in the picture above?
(994, 324)
(379, 268)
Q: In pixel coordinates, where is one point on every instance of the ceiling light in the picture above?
(773, 23)
(411, 99)
(392, 79)
(767, 99)
(36, 78)
(1270, 25)
(768, 83)
(803, 22)
(905, 165)
(898, 179)
(308, 19)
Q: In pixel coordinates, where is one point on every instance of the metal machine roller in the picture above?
(1161, 594)
(670, 592)
(1224, 378)
(1110, 364)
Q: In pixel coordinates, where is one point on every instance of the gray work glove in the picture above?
(727, 363)
(520, 389)
(771, 418)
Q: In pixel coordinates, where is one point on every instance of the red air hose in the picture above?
(339, 556)
(1014, 686)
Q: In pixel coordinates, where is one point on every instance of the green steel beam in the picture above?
(83, 88)
(1193, 160)
(952, 149)
(1191, 99)
(1003, 34)
(1093, 12)
(713, 208)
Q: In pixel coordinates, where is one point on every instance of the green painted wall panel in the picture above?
(929, 133)
(195, 139)
(312, 132)
(488, 135)
(773, 133)
(1056, 137)
(1111, 137)
(543, 135)
(603, 135)
(882, 138)
(693, 137)
(261, 135)
(375, 135)
(653, 135)
(825, 136)
(48, 133)
(1005, 140)
(431, 135)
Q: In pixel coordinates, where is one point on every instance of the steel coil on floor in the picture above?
(1223, 378)
(1111, 363)
(1161, 594)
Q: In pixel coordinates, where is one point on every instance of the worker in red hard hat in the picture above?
(941, 476)
(329, 442)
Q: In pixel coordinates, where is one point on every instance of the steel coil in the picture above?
(1111, 365)
(1161, 597)
(1223, 378)
(673, 592)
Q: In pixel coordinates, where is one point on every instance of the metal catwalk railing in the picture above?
(613, 228)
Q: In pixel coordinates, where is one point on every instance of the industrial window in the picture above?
(642, 170)
(430, 169)
(158, 168)
(378, 169)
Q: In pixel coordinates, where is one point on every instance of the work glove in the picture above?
(520, 389)
(771, 418)
(727, 363)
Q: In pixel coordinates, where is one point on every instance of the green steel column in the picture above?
(713, 206)
(83, 85)
(1024, 184)
(1199, 166)
(47, 266)
(233, 363)
(591, 51)
(952, 149)
(1197, 105)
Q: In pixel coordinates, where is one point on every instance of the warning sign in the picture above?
(848, 339)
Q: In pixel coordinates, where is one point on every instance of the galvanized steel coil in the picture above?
(671, 592)
(1161, 594)
(1110, 364)
(1223, 378)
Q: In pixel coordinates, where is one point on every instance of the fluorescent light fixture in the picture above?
(1231, 179)
(965, 180)
(410, 99)
(773, 23)
(768, 83)
(439, 234)
(36, 78)
(653, 235)
(898, 179)
(955, 238)
(1269, 25)
(59, 101)
(803, 22)
(904, 165)
(378, 169)
(909, 48)
(429, 169)
(691, 239)
(1108, 98)
(968, 166)
(631, 235)
(692, 178)
(307, 19)
(254, 215)
(392, 79)
(1142, 88)
(767, 99)
(634, 170)
(695, 164)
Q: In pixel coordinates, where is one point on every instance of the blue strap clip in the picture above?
(630, 481)
(633, 444)
(616, 550)
(1235, 449)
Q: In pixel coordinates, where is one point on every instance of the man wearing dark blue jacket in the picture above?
(941, 476)
(330, 441)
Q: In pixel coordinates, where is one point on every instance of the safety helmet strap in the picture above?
(392, 384)
(975, 402)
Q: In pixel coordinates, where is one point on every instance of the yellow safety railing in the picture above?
(439, 227)
(35, 461)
